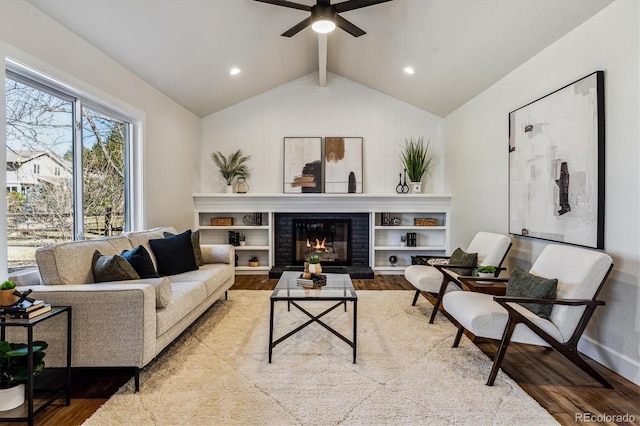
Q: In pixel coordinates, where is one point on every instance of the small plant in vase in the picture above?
(403, 240)
(314, 264)
(486, 271)
(253, 261)
(242, 239)
(7, 296)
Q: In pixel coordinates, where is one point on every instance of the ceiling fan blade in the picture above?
(348, 27)
(298, 27)
(286, 3)
(356, 4)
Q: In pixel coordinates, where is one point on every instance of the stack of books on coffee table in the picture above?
(25, 309)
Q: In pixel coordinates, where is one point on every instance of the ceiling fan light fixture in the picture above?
(235, 70)
(409, 70)
(323, 26)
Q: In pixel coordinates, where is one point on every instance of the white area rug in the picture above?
(407, 373)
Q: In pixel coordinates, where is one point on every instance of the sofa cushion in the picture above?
(71, 262)
(213, 276)
(174, 255)
(195, 242)
(112, 268)
(141, 261)
(185, 297)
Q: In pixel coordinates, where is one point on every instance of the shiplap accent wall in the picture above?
(302, 108)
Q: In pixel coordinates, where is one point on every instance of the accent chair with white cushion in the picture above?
(491, 249)
(580, 274)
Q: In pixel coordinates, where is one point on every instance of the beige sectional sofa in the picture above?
(123, 323)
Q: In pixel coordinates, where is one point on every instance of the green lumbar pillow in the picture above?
(461, 258)
(524, 284)
(112, 268)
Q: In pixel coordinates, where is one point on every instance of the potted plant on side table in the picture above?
(486, 271)
(14, 371)
(7, 296)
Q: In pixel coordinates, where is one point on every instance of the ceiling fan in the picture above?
(324, 15)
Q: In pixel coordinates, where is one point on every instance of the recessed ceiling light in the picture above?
(409, 70)
(235, 71)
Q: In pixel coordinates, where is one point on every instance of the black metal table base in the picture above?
(316, 319)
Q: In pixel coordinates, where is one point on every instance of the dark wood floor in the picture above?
(558, 386)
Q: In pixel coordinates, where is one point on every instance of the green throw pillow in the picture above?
(112, 268)
(460, 257)
(524, 284)
(195, 243)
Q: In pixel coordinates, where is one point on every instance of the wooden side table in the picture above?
(493, 286)
(28, 410)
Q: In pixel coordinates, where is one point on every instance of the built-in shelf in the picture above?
(384, 241)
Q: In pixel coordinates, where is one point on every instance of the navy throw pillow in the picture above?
(141, 261)
(195, 242)
(174, 255)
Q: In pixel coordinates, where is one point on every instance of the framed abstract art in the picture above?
(556, 165)
(342, 165)
(303, 165)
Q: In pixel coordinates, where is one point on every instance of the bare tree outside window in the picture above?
(40, 158)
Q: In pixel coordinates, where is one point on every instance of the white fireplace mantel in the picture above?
(321, 203)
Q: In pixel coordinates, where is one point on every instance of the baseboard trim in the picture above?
(610, 358)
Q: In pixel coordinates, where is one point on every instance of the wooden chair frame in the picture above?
(568, 349)
(447, 278)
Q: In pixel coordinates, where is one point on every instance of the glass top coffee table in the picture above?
(339, 288)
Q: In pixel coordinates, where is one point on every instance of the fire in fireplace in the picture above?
(327, 238)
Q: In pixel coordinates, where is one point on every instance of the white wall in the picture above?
(302, 108)
(171, 134)
(476, 147)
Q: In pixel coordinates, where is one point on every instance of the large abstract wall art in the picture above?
(556, 165)
(303, 165)
(343, 165)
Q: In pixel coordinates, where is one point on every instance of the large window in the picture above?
(67, 176)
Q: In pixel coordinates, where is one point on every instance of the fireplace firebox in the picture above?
(291, 249)
(326, 238)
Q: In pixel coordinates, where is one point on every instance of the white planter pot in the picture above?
(242, 243)
(12, 397)
(416, 187)
(486, 275)
(403, 243)
(228, 189)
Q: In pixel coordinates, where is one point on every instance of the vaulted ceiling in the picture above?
(185, 48)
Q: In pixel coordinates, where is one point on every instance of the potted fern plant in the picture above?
(417, 160)
(232, 167)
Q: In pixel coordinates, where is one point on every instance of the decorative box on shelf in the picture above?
(221, 221)
(425, 221)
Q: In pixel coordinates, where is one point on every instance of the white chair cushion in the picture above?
(426, 278)
(478, 313)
